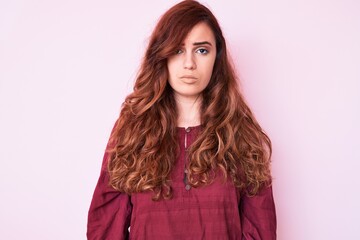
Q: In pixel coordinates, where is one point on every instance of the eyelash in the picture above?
(202, 51)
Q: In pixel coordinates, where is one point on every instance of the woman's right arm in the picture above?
(110, 210)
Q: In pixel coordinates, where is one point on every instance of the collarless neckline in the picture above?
(189, 127)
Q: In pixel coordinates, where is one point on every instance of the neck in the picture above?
(188, 111)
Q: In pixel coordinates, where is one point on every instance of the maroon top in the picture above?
(216, 211)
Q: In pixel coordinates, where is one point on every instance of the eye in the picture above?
(202, 51)
(179, 51)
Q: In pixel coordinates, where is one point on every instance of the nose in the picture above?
(189, 61)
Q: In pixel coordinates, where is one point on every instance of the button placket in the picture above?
(187, 185)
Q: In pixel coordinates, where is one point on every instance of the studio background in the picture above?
(66, 66)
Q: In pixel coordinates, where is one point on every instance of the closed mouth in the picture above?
(188, 76)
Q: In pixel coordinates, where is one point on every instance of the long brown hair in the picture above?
(144, 143)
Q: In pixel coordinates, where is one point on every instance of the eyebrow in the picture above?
(202, 43)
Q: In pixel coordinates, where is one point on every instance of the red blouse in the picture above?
(216, 211)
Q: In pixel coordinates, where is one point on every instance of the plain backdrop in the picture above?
(67, 65)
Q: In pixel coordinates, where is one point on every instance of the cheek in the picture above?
(171, 67)
(207, 71)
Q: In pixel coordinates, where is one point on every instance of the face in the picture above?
(191, 67)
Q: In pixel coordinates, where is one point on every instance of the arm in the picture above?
(258, 216)
(110, 210)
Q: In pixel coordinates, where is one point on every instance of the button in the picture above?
(187, 129)
(187, 187)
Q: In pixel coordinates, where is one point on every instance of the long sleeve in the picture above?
(258, 216)
(110, 210)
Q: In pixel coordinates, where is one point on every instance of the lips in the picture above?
(189, 77)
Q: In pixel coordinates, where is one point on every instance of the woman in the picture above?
(186, 158)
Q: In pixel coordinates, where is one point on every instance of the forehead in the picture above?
(200, 32)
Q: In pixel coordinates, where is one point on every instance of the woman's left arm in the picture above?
(258, 216)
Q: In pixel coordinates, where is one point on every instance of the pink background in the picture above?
(66, 66)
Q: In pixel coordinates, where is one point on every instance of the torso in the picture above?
(208, 212)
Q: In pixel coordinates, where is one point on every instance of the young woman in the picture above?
(186, 158)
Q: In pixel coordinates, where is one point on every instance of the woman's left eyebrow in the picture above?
(202, 43)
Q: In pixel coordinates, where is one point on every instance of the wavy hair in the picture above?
(143, 145)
